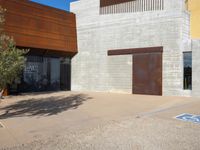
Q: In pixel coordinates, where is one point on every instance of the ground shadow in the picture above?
(43, 107)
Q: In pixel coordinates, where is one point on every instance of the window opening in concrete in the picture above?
(129, 6)
(187, 77)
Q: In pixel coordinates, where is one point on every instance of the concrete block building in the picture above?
(135, 46)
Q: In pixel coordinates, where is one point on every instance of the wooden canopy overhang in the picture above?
(40, 27)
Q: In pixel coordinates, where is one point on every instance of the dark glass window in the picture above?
(55, 73)
(41, 74)
(187, 59)
(44, 74)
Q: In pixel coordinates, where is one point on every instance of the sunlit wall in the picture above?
(194, 8)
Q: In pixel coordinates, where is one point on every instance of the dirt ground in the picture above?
(97, 121)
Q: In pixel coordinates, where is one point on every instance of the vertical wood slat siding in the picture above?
(133, 6)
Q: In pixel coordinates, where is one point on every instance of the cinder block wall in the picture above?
(195, 67)
(93, 70)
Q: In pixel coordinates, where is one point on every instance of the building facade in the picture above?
(135, 46)
(50, 36)
(193, 7)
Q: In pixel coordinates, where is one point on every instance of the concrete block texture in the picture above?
(94, 70)
(196, 67)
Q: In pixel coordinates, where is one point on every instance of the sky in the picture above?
(61, 4)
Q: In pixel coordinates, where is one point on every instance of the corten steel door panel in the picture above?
(147, 73)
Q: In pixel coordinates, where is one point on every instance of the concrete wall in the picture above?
(195, 67)
(93, 70)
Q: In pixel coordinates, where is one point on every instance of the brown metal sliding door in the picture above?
(147, 73)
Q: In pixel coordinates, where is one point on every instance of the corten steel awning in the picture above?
(135, 50)
(40, 27)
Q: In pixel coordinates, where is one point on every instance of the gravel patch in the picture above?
(130, 134)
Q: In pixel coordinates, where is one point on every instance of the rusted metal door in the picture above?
(147, 73)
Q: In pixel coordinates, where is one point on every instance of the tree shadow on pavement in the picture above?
(43, 106)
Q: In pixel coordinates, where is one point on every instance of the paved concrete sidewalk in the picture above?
(97, 121)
